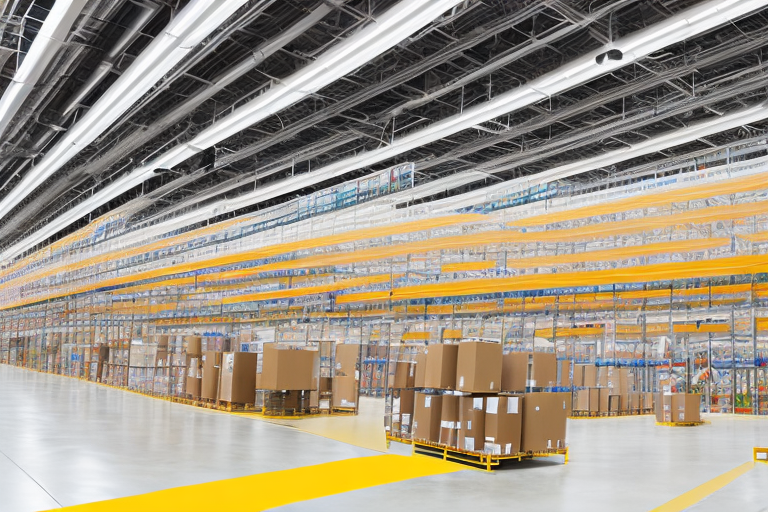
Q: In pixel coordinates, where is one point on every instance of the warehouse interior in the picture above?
(423, 254)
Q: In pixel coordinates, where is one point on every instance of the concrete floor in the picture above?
(64, 442)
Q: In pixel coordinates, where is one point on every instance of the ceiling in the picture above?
(172, 108)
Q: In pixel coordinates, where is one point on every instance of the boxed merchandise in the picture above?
(449, 421)
(664, 407)
(543, 370)
(426, 417)
(194, 345)
(288, 369)
(211, 370)
(588, 400)
(514, 371)
(238, 377)
(344, 391)
(609, 401)
(345, 361)
(478, 369)
(590, 376)
(405, 375)
(544, 421)
(419, 379)
(692, 407)
(632, 403)
(471, 423)
(503, 424)
(194, 386)
(578, 375)
(564, 377)
(402, 410)
(647, 400)
(441, 366)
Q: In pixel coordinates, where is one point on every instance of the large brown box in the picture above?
(238, 377)
(578, 375)
(590, 376)
(426, 417)
(514, 371)
(544, 421)
(588, 400)
(344, 391)
(692, 407)
(194, 386)
(421, 371)
(346, 359)
(287, 369)
(471, 423)
(609, 401)
(647, 400)
(405, 375)
(478, 369)
(503, 424)
(441, 366)
(543, 370)
(211, 370)
(564, 378)
(402, 411)
(664, 411)
(449, 421)
(632, 403)
(194, 345)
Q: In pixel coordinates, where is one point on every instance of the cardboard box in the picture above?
(404, 401)
(692, 407)
(405, 375)
(194, 345)
(609, 401)
(211, 371)
(288, 369)
(678, 407)
(588, 400)
(344, 391)
(449, 421)
(426, 417)
(503, 424)
(441, 366)
(238, 377)
(664, 411)
(419, 380)
(345, 359)
(590, 376)
(632, 403)
(578, 375)
(564, 374)
(514, 371)
(478, 369)
(544, 421)
(614, 403)
(647, 400)
(543, 370)
(194, 386)
(471, 423)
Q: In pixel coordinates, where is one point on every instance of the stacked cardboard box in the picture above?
(238, 377)
(345, 376)
(678, 408)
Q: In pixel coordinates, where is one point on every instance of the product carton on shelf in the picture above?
(405, 375)
(632, 403)
(288, 369)
(194, 345)
(426, 417)
(514, 371)
(402, 410)
(544, 421)
(503, 424)
(345, 391)
(578, 375)
(345, 359)
(647, 400)
(449, 421)
(211, 371)
(692, 407)
(588, 400)
(564, 373)
(419, 380)
(478, 369)
(471, 423)
(609, 401)
(441, 366)
(589, 376)
(543, 370)
(238, 377)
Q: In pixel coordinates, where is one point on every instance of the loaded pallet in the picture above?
(480, 460)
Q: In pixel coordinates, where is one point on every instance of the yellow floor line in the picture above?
(269, 490)
(697, 494)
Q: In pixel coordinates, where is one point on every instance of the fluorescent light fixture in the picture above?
(44, 48)
(198, 19)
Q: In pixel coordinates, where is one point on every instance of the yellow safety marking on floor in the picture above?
(694, 496)
(760, 455)
(269, 490)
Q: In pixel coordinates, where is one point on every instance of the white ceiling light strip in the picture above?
(44, 47)
(195, 22)
(686, 24)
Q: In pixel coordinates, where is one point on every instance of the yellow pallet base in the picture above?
(478, 460)
(681, 423)
(398, 439)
